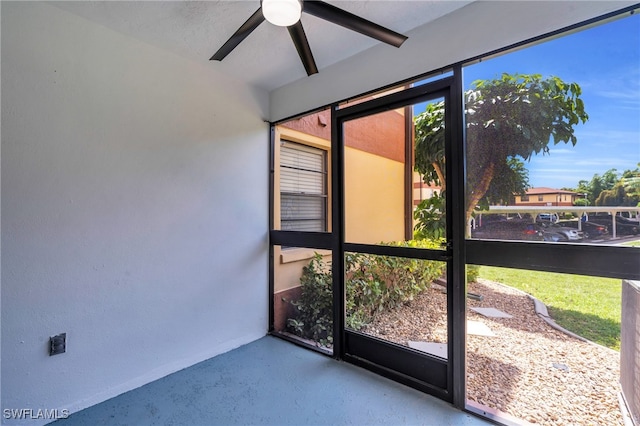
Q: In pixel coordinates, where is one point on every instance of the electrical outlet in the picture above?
(58, 344)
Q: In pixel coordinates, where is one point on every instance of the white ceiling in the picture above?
(267, 57)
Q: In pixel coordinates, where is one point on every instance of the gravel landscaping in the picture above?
(528, 370)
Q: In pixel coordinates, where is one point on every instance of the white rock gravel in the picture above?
(529, 369)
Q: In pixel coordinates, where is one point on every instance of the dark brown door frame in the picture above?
(442, 378)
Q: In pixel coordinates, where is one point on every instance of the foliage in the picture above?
(597, 184)
(624, 192)
(631, 184)
(511, 117)
(514, 180)
(314, 308)
(430, 218)
(373, 283)
(473, 272)
(587, 306)
(618, 196)
(612, 190)
(431, 225)
(429, 144)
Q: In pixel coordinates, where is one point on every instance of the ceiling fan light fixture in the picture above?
(282, 13)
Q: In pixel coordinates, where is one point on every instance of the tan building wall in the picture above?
(288, 263)
(374, 202)
(374, 193)
(374, 198)
(552, 199)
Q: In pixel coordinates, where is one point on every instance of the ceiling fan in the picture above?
(286, 13)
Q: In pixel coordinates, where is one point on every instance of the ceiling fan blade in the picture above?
(353, 22)
(242, 33)
(302, 46)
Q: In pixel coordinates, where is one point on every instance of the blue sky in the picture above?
(605, 62)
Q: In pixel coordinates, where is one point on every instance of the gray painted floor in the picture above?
(272, 382)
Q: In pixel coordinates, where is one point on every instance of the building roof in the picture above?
(544, 190)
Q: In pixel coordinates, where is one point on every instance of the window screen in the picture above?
(303, 188)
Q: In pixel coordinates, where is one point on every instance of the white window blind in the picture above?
(303, 193)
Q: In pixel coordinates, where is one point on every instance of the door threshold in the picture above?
(497, 416)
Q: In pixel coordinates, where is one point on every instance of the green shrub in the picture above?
(430, 218)
(314, 308)
(473, 271)
(374, 283)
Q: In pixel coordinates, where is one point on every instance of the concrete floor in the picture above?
(272, 382)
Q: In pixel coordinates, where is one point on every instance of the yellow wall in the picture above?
(289, 263)
(547, 198)
(374, 198)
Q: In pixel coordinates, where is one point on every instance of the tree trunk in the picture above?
(481, 188)
(441, 177)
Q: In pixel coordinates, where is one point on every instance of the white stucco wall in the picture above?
(476, 29)
(134, 211)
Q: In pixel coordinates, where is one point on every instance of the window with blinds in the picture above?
(303, 188)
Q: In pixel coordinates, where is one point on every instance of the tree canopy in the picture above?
(508, 119)
(611, 189)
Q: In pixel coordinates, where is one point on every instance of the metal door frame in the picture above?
(441, 378)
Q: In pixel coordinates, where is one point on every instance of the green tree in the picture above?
(630, 174)
(508, 119)
(596, 186)
(619, 192)
(631, 182)
(609, 179)
(429, 144)
(584, 190)
(581, 202)
(430, 218)
(514, 179)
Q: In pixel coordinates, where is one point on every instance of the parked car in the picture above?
(589, 229)
(568, 234)
(490, 218)
(630, 215)
(547, 217)
(547, 233)
(508, 230)
(624, 226)
(544, 234)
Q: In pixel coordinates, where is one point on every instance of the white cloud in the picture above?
(602, 162)
(562, 151)
(622, 85)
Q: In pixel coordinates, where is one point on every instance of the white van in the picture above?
(547, 217)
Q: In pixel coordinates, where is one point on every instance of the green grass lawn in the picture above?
(587, 306)
(632, 244)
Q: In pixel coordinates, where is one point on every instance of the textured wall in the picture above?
(630, 347)
(125, 219)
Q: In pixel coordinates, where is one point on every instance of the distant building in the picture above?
(422, 190)
(547, 197)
